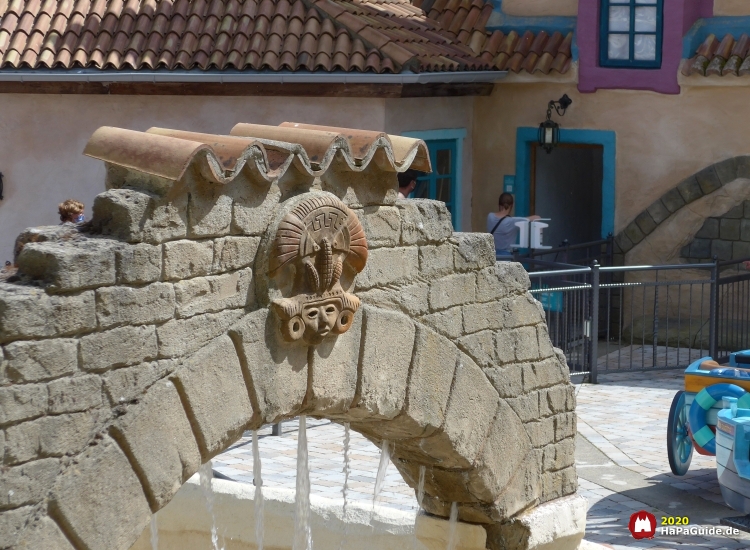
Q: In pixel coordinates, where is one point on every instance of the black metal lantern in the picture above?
(549, 130)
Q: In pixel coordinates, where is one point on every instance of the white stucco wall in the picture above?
(414, 114)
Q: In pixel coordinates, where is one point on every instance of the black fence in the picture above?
(612, 319)
(602, 251)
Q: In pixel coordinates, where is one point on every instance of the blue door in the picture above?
(440, 185)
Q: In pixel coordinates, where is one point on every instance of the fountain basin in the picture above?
(184, 524)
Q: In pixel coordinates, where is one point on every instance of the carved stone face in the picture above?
(319, 320)
(319, 237)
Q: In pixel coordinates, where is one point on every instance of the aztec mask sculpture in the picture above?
(314, 243)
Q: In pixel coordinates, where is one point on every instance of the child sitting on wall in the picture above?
(71, 211)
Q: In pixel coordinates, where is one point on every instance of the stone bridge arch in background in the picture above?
(138, 347)
(660, 233)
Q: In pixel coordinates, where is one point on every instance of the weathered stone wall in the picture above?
(139, 347)
(727, 237)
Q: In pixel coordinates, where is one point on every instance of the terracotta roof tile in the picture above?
(561, 63)
(554, 43)
(741, 46)
(544, 63)
(163, 9)
(509, 44)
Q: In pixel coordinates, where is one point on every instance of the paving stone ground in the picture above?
(624, 416)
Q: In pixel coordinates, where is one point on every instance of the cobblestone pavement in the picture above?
(624, 416)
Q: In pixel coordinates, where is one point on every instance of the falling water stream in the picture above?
(452, 524)
(385, 460)
(420, 488)
(420, 498)
(258, 493)
(302, 531)
(154, 533)
(206, 475)
(345, 489)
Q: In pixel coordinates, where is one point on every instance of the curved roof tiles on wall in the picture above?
(268, 151)
(730, 56)
(360, 147)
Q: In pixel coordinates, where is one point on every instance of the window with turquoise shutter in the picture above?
(441, 183)
(631, 33)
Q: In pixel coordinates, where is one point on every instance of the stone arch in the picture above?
(138, 347)
(693, 188)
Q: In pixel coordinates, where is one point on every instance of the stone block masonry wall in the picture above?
(726, 237)
(137, 348)
(87, 327)
(462, 296)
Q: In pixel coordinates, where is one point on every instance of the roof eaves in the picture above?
(234, 76)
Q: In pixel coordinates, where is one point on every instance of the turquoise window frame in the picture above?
(525, 136)
(631, 62)
(458, 135)
(431, 179)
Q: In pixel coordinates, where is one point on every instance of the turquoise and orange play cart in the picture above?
(694, 412)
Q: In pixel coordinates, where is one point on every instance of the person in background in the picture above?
(502, 226)
(71, 211)
(407, 181)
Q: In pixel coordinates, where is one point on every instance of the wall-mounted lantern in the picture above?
(1, 186)
(549, 130)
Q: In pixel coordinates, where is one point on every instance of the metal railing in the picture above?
(731, 322)
(611, 319)
(582, 254)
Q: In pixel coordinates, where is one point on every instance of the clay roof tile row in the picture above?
(265, 153)
(723, 57)
(328, 35)
(465, 21)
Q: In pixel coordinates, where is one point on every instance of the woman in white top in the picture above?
(503, 227)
